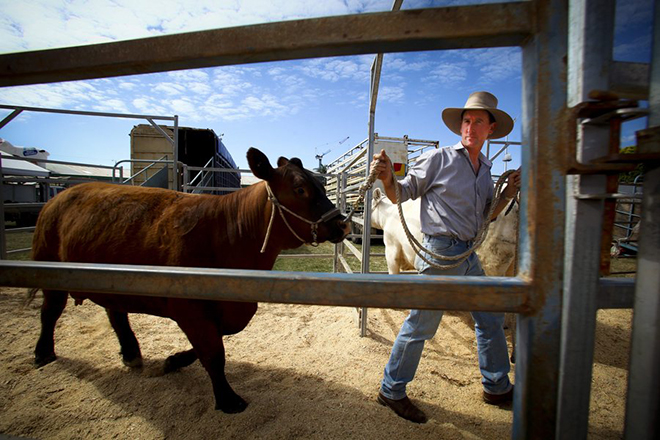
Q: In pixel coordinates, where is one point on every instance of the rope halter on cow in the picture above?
(277, 206)
(416, 245)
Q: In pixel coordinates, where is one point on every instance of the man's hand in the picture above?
(382, 165)
(512, 185)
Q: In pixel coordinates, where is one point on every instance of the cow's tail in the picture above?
(30, 295)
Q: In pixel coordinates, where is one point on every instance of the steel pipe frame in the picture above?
(20, 109)
(17, 110)
(411, 30)
(643, 398)
(507, 294)
(591, 36)
(204, 283)
(542, 220)
(540, 28)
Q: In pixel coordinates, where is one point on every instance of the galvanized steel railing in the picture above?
(547, 403)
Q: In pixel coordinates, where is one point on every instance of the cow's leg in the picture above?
(206, 339)
(180, 360)
(392, 253)
(51, 310)
(130, 349)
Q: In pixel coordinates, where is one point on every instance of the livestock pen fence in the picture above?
(61, 175)
(566, 53)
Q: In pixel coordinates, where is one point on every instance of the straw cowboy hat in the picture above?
(479, 101)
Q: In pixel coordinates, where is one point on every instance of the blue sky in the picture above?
(293, 108)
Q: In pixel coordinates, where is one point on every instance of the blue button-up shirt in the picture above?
(455, 199)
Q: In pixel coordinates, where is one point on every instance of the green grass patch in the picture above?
(19, 240)
(308, 263)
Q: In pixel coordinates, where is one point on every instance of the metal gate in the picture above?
(566, 51)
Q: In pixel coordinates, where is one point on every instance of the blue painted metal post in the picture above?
(643, 403)
(542, 221)
(591, 38)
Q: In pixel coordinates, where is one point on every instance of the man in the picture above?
(456, 189)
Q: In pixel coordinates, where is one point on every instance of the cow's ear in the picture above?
(259, 164)
(376, 193)
(297, 162)
(282, 161)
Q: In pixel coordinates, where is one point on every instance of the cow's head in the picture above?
(310, 214)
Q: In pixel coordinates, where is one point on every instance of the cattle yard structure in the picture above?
(346, 174)
(206, 164)
(203, 164)
(566, 160)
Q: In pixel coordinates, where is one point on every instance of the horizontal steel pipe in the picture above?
(83, 113)
(615, 293)
(462, 27)
(357, 290)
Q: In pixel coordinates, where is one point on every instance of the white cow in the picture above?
(497, 253)
(385, 215)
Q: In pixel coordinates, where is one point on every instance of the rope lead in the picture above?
(414, 243)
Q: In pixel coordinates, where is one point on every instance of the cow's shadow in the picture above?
(279, 398)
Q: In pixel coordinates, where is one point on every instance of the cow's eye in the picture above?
(300, 191)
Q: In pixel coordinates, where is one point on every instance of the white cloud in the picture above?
(148, 106)
(230, 81)
(41, 24)
(198, 88)
(495, 64)
(336, 69)
(396, 62)
(111, 106)
(169, 88)
(448, 74)
(189, 75)
(290, 82)
(391, 94)
(125, 85)
(49, 95)
(265, 105)
(184, 107)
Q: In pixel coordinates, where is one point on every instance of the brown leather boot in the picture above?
(403, 408)
(498, 399)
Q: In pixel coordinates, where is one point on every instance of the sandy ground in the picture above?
(304, 370)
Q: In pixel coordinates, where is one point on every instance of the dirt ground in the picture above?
(304, 370)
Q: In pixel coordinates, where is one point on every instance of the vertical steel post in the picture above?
(3, 235)
(591, 37)
(175, 171)
(366, 226)
(341, 204)
(643, 402)
(366, 216)
(542, 221)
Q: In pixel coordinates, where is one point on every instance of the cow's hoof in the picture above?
(179, 360)
(136, 362)
(40, 361)
(234, 406)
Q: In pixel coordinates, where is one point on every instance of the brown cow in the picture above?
(104, 223)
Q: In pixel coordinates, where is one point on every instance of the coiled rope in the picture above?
(414, 243)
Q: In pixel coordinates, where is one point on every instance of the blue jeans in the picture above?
(422, 325)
